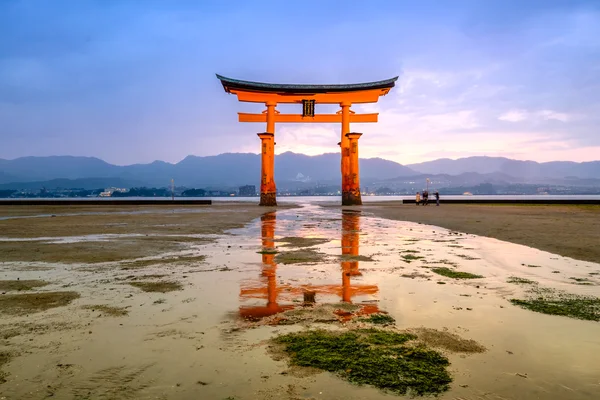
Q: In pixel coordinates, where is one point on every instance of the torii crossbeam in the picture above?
(308, 96)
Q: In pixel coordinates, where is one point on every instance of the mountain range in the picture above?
(515, 168)
(235, 169)
(229, 169)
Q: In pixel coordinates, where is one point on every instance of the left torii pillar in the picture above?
(268, 190)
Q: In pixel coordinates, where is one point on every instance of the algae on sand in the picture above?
(143, 263)
(410, 257)
(4, 359)
(160, 287)
(352, 257)
(587, 308)
(380, 319)
(555, 302)
(384, 359)
(18, 304)
(19, 285)
(517, 280)
(448, 341)
(450, 273)
(108, 310)
(300, 256)
(296, 241)
(267, 251)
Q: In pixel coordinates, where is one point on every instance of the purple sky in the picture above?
(133, 81)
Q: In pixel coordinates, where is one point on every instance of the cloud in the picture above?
(523, 115)
(549, 114)
(513, 116)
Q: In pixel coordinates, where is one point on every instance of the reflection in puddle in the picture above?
(266, 288)
(284, 296)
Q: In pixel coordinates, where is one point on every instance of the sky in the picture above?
(132, 81)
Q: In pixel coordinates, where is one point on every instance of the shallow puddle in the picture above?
(208, 340)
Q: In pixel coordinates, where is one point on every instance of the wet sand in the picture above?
(572, 231)
(192, 317)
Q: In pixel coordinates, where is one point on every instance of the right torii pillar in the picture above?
(350, 171)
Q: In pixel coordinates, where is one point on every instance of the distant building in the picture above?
(109, 191)
(248, 190)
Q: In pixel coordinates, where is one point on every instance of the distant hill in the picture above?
(46, 168)
(81, 183)
(467, 178)
(230, 169)
(291, 170)
(527, 170)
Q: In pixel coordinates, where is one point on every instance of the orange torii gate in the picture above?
(309, 95)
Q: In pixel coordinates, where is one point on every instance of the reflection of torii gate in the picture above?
(308, 96)
(273, 294)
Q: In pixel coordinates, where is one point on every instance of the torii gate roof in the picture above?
(230, 85)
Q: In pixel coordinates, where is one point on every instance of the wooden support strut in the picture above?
(318, 118)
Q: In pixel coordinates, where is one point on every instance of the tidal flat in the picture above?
(235, 301)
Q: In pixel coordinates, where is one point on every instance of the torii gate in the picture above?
(309, 95)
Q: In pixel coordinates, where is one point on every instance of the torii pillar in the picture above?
(351, 175)
(268, 190)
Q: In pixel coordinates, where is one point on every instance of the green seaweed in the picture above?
(300, 257)
(579, 279)
(577, 307)
(384, 359)
(410, 257)
(517, 280)
(20, 285)
(295, 241)
(557, 302)
(268, 251)
(159, 287)
(380, 319)
(466, 257)
(450, 273)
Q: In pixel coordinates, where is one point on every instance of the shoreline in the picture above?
(567, 230)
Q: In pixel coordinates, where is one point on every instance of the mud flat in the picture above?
(568, 230)
(240, 302)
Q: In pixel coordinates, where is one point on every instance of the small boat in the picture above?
(467, 194)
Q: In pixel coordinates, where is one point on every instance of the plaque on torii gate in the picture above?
(308, 96)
